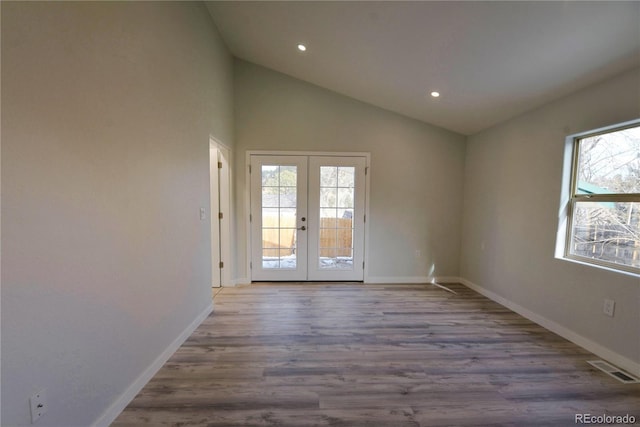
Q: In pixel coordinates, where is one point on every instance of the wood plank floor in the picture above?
(317, 354)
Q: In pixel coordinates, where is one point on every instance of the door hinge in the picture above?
(220, 216)
(221, 265)
(249, 168)
(250, 217)
(366, 170)
(365, 218)
(219, 165)
(250, 265)
(363, 265)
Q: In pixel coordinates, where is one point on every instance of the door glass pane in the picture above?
(328, 176)
(336, 217)
(328, 213)
(279, 216)
(328, 197)
(269, 197)
(345, 197)
(288, 197)
(346, 177)
(287, 217)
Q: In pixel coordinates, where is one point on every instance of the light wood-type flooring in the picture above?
(348, 354)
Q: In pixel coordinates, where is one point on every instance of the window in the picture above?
(603, 224)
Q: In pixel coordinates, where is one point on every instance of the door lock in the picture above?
(302, 228)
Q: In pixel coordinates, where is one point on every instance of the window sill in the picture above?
(600, 267)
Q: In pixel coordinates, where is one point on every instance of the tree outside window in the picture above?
(605, 202)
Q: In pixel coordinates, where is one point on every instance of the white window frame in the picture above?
(570, 198)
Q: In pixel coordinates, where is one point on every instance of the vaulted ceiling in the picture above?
(490, 61)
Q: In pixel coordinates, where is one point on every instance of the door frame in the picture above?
(219, 152)
(247, 196)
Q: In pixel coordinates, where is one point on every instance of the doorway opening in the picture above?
(220, 196)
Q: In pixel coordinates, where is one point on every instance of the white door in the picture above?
(220, 208)
(307, 217)
(214, 193)
(336, 218)
(278, 218)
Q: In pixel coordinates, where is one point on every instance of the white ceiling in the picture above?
(490, 60)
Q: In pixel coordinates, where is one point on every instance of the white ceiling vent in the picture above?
(614, 372)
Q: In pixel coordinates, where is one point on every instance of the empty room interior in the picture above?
(320, 213)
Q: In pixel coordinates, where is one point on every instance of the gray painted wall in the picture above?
(416, 169)
(513, 181)
(107, 111)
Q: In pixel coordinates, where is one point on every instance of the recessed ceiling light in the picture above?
(302, 47)
(435, 94)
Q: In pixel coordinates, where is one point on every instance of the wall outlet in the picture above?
(203, 214)
(418, 253)
(38, 404)
(609, 307)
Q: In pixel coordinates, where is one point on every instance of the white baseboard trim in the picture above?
(125, 398)
(447, 279)
(241, 281)
(411, 279)
(597, 349)
(397, 279)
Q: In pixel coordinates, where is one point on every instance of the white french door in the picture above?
(278, 218)
(307, 217)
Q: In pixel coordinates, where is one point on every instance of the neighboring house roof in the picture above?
(275, 200)
(588, 188)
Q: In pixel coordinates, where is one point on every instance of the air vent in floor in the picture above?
(614, 372)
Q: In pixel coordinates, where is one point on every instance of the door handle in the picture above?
(302, 228)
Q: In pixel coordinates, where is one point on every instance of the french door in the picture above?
(307, 217)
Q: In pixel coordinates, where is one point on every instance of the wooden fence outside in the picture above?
(336, 236)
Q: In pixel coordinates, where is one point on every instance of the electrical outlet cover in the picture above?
(38, 404)
(609, 307)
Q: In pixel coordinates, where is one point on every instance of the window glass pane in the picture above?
(287, 197)
(609, 163)
(327, 213)
(288, 217)
(328, 197)
(607, 231)
(269, 217)
(345, 213)
(287, 238)
(287, 176)
(279, 216)
(328, 176)
(269, 197)
(270, 175)
(327, 238)
(270, 258)
(345, 197)
(287, 259)
(334, 259)
(270, 238)
(346, 177)
(344, 223)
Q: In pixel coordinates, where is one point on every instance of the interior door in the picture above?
(278, 218)
(307, 218)
(214, 193)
